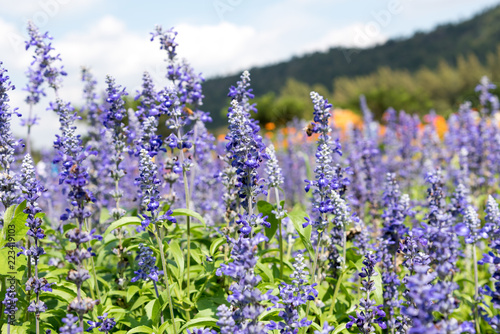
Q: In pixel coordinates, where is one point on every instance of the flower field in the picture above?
(339, 224)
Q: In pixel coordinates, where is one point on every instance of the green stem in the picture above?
(4, 290)
(278, 206)
(313, 276)
(339, 281)
(290, 246)
(202, 289)
(188, 221)
(158, 296)
(476, 290)
(28, 295)
(166, 275)
(335, 293)
(98, 292)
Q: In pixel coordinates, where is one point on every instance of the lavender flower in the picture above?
(74, 174)
(325, 182)
(114, 115)
(246, 298)
(91, 107)
(242, 93)
(147, 268)
(493, 259)
(273, 170)
(8, 187)
(148, 96)
(492, 217)
(71, 155)
(393, 231)
(420, 295)
(70, 326)
(201, 331)
(424, 298)
(245, 151)
(149, 184)
(485, 96)
(32, 190)
(292, 296)
(44, 68)
(470, 228)
(327, 329)
(104, 324)
(369, 314)
(10, 302)
(442, 246)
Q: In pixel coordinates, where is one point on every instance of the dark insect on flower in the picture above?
(188, 111)
(353, 232)
(309, 129)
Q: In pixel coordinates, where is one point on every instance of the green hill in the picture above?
(478, 36)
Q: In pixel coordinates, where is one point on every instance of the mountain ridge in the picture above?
(478, 35)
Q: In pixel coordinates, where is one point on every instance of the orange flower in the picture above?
(441, 125)
(221, 137)
(270, 126)
(381, 130)
(343, 118)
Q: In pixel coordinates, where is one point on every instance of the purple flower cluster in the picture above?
(393, 232)
(32, 190)
(326, 182)
(149, 185)
(369, 314)
(113, 121)
(245, 299)
(147, 265)
(493, 259)
(8, 188)
(71, 154)
(104, 324)
(424, 298)
(442, 242)
(292, 296)
(43, 66)
(245, 150)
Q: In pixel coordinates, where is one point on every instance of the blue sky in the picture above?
(217, 36)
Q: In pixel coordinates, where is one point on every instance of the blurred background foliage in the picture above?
(423, 72)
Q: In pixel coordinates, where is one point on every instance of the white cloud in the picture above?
(355, 35)
(30, 9)
(109, 46)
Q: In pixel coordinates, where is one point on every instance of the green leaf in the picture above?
(153, 309)
(214, 247)
(339, 328)
(297, 217)
(179, 259)
(266, 209)
(140, 301)
(9, 213)
(266, 271)
(16, 229)
(125, 221)
(141, 329)
(167, 326)
(23, 329)
(378, 294)
(131, 291)
(59, 292)
(11, 264)
(200, 322)
(188, 212)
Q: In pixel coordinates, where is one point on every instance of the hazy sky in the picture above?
(216, 36)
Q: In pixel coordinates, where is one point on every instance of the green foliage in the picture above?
(446, 47)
